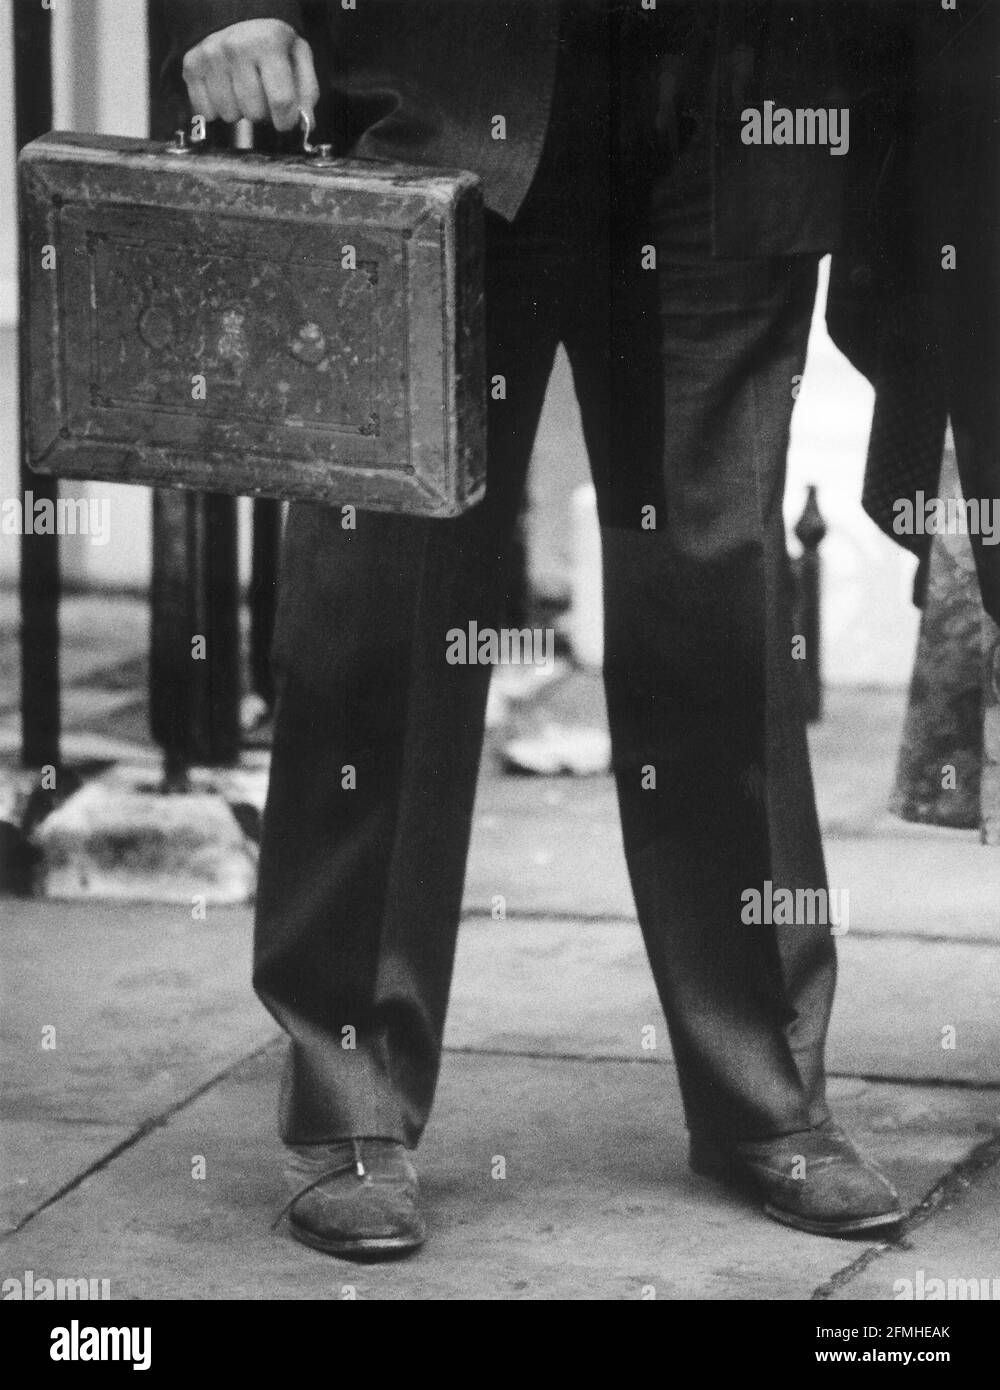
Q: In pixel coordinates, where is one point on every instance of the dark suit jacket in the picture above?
(928, 338)
(420, 80)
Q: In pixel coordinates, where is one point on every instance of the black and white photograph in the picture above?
(500, 666)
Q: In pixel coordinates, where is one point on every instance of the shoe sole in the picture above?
(367, 1248)
(859, 1226)
(710, 1165)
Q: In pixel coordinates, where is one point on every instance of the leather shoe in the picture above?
(356, 1199)
(814, 1180)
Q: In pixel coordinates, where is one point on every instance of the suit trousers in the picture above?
(684, 368)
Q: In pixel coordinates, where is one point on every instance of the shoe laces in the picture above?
(355, 1165)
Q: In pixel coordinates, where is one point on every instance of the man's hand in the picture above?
(257, 70)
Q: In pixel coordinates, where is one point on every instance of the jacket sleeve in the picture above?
(193, 20)
(878, 222)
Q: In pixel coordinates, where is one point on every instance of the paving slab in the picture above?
(548, 845)
(41, 1155)
(597, 1201)
(146, 1005)
(110, 1016)
(565, 988)
(553, 845)
(151, 1009)
(920, 1010)
(958, 1245)
(934, 884)
(854, 750)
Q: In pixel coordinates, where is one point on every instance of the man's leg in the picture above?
(708, 735)
(376, 751)
(710, 754)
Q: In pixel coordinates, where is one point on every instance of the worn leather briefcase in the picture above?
(297, 327)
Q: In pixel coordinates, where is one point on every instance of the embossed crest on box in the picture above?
(264, 326)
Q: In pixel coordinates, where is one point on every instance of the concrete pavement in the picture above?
(139, 1140)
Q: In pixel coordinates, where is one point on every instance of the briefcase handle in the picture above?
(322, 153)
(319, 154)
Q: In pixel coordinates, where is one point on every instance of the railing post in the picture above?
(40, 574)
(264, 595)
(194, 633)
(810, 530)
(990, 785)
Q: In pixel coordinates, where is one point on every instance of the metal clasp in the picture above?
(181, 144)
